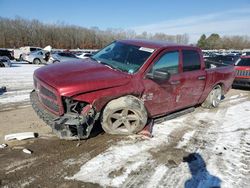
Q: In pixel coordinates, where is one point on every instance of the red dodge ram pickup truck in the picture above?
(124, 85)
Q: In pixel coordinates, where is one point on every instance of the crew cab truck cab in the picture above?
(124, 85)
(242, 67)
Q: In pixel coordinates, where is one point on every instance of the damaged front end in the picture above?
(75, 123)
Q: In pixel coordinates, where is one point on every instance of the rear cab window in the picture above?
(191, 60)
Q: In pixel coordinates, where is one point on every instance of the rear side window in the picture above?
(168, 62)
(191, 60)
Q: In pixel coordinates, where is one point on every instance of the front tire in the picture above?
(124, 116)
(214, 98)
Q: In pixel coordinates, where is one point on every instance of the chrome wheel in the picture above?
(124, 120)
(216, 96)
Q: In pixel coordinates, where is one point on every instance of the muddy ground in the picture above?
(53, 159)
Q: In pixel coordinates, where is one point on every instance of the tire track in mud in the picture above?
(52, 160)
(202, 140)
(162, 159)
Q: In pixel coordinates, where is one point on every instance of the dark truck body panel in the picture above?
(96, 84)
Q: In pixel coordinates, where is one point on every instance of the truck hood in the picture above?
(72, 78)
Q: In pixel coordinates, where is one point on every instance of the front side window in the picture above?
(168, 62)
(191, 60)
(124, 57)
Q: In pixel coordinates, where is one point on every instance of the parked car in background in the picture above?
(6, 52)
(39, 57)
(83, 55)
(19, 53)
(242, 67)
(36, 57)
(64, 56)
(5, 61)
(229, 59)
(124, 85)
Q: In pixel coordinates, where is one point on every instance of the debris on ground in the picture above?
(20, 136)
(78, 144)
(3, 146)
(27, 151)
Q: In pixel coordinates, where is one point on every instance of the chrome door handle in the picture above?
(201, 77)
(176, 82)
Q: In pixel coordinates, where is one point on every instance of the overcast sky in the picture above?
(193, 17)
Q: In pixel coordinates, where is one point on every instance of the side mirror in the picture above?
(159, 75)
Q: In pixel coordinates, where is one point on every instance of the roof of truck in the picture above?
(153, 43)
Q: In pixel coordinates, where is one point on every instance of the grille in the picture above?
(242, 73)
(48, 97)
(50, 104)
(47, 92)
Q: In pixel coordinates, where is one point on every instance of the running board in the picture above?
(174, 115)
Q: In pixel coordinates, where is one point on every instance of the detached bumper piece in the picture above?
(67, 126)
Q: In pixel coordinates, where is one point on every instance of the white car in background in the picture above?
(39, 57)
(21, 52)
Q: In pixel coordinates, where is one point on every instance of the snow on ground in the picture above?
(217, 141)
(18, 80)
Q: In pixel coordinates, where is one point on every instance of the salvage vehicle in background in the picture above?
(19, 53)
(125, 85)
(242, 67)
(39, 57)
(5, 61)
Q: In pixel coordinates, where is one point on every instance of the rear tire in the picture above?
(214, 97)
(124, 116)
(37, 61)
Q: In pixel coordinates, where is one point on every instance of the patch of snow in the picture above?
(185, 139)
(221, 130)
(234, 97)
(18, 81)
(126, 155)
(157, 176)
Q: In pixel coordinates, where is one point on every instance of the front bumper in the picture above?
(242, 82)
(69, 127)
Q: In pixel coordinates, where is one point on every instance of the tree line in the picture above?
(18, 32)
(215, 41)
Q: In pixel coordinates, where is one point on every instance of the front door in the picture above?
(160, 95)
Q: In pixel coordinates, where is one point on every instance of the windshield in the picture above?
(243, 62)
(124, 57)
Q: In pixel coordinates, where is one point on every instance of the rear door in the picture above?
(192, 78)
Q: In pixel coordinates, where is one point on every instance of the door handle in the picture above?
(176, 82)
(201, 77)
